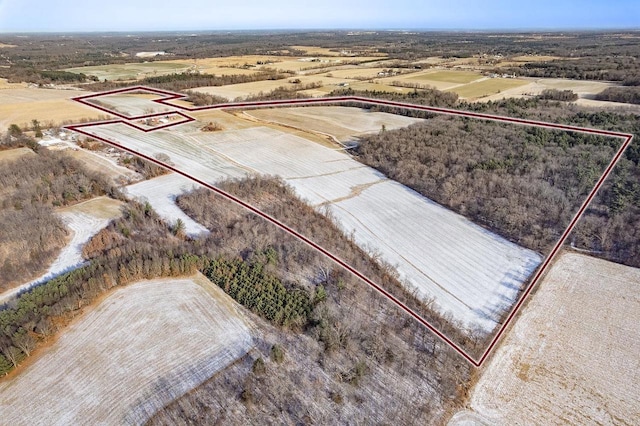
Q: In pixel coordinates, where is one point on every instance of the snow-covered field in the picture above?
(342, 122)
(161, 193)
(139, 349)
(84, 220)
(131, 104)
(470, 273)
(572, 357)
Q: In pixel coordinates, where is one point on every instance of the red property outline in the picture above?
(167, 97)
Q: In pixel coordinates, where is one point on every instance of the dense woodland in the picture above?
(610, 227)
(31, 186)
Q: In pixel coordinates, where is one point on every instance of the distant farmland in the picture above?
(139, 349)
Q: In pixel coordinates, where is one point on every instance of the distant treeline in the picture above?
(625, 69)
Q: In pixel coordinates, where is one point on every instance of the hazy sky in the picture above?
(130, 15)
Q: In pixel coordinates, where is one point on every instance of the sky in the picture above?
(195, 15)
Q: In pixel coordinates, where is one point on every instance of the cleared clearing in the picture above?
(356, 73)
(131, 71)
(99, 163)
(131, 104)
(487, 87)
(13, 154)
(341, 122)
(470, 273)
(161, 193)
(20, 106)
(572, 356)
(84, 220)
(585, 89)
(139, 349)
(449, 76)
(243, 90)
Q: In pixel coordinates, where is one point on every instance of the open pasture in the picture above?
(131, 104)
(572, 355)
(341, 122)
(20, 106)
(13, 154)
(244, 90)
(132, 71)
(139, 349)
(486, 87)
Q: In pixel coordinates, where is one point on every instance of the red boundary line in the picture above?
(171, 96)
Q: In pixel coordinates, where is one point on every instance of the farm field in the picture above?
(161, 193)
(132, 71)
(131, 104)
(20, 106)
(13, 154)
(142, 347)
(572, 356)
(470, 273)
(341, 122)
(84, 220)
(355, 73)
(487, 87)
(224, 65)
(449, 76)
(583, 88)
(439, 79)
(4, 84)
(243, 90)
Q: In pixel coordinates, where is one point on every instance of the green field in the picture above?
(131, 71)
(487, 87)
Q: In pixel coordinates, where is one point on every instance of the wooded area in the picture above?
(31, 187)
(505, 157)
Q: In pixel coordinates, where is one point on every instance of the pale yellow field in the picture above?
(343, 123)
(4, 84)
(356, 72)
(449, 76)
(318, 51)
(536, 58)
(20, 106)
(132, 71)
(2, 45)
(534, 86)
(572, 357)
(362, 85)
(12, 154)
(487, 87)
(99, 207)
(243, 90)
